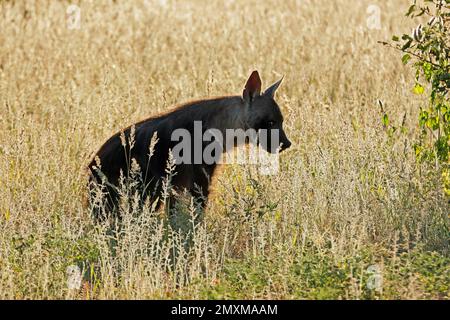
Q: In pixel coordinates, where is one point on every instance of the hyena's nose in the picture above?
(285, 145)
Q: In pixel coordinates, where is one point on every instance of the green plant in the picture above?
(427, 51)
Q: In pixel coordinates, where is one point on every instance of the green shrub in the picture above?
(427, 51)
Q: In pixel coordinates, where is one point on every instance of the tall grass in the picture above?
(349, 197)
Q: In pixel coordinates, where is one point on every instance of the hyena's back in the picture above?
(115, 158)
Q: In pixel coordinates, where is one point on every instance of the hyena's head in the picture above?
(262, 112)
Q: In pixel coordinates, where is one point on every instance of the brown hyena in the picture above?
(251, 110)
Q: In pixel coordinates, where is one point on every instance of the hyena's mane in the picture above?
(178, 108)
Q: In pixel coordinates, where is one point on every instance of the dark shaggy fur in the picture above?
(251, 110)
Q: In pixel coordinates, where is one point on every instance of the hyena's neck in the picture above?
(229, 114)
(230, 119)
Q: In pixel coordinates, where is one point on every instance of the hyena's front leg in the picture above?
(195, 179)
(179, 210)
(202, 180)
(183, 181)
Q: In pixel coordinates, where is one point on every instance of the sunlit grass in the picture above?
(347, 196)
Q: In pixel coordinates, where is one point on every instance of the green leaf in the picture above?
(406, 58)
(422, 11)
(411, 10)
(418, 89)
(406, 37)
(395, 38)
(385, 120)
(427, 70)
(407, 45)
(423, 117)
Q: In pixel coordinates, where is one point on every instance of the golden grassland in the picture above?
(349, 198)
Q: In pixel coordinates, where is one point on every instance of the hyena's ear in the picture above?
(270, 91)
(252, 87)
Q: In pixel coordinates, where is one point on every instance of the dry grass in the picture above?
(347, 196)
